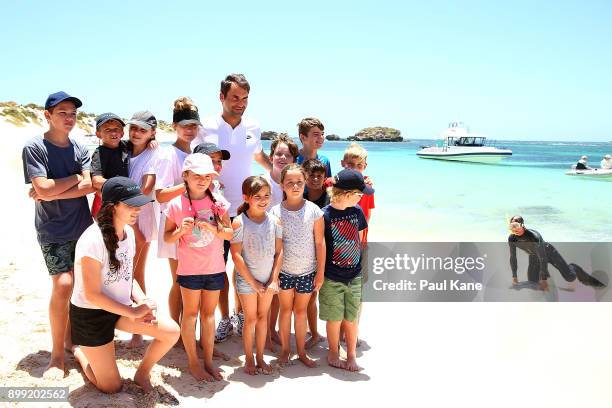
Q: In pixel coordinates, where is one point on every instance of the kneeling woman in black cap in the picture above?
(105, 292)
(541, 253)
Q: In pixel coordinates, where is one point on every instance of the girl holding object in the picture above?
(199, 221)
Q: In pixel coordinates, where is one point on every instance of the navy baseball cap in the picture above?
(105, 117)
(349, 179)
(143, 119)
(123, 189)
(210, 148)
(61, 96)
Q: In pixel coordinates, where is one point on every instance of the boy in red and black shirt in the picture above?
(355, 158)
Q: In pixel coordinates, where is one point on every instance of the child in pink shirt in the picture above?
(199, 221)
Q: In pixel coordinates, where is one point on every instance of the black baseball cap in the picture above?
(105, 117)
(143, 119)
(61, 96)
(125, 190)
(210, 148)
(349, 179)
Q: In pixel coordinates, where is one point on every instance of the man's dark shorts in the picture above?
(59, 257)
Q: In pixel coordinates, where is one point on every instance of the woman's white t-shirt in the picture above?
(115, 283)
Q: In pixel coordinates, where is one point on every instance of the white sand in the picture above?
(417, 354)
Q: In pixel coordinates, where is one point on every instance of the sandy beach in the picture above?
(418, 354)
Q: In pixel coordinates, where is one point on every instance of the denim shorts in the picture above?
(243, 287)
(59, 258)
(214, 281)
(301, 284)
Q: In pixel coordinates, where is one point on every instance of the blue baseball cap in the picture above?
(123, 189)
(61, 96)
(349, 179)
(105, 117)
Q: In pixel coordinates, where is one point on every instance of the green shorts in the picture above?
(59, 257)
(339, 301)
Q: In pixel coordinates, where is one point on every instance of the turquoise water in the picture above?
(434, 200)
(431, 200)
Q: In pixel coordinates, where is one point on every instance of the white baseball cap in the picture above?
(199, 164)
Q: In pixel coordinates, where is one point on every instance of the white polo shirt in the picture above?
(242, 142)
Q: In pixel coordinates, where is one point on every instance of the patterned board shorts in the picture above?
(59, 257)
(301, 284)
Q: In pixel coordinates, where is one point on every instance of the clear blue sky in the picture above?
(521, 70)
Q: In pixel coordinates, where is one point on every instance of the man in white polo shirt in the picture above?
(241, 136)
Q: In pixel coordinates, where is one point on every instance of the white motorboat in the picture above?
(458, 144)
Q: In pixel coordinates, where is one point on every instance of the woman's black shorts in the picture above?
(92, 327)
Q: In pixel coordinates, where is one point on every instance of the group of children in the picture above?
(298, 232)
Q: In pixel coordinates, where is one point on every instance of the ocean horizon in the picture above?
(435, 200)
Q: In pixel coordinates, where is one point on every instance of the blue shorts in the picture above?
(215, 281)
(301, 284)
(243, 287)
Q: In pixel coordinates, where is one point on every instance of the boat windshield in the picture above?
(469, 141)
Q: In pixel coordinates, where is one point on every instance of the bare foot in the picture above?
(307, 361)
(275, 337)
(214, 371)
(144, 381)
(351, 364)
(219, 354)
(199, 373)
(55, 369)
(313, 341)
(283, 358)
(263, 367)
(250, 368)
(333, 360)
(136, 342)
(271, 347)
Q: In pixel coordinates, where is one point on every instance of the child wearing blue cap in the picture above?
(58, 169)
(340, 295)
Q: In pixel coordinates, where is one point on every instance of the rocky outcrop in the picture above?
(377, 134)
(268, 135)
(332, 137)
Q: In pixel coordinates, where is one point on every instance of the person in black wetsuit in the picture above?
(541, 253)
